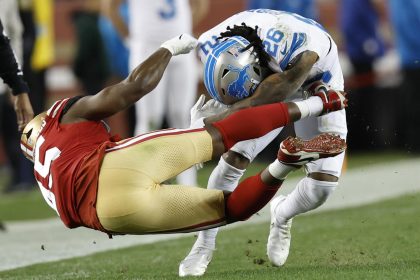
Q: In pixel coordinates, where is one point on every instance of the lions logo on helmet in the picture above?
(30, 135)
(230, 73)
(237, 87)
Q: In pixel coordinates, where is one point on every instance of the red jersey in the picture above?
(67, 163)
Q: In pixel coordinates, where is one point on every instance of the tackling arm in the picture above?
(278, 86)
(115, 98)
(141, 81)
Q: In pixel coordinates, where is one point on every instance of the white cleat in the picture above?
(278, 244)
(195, 264)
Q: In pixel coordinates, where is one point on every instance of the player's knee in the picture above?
(323, 177)
(319, 191)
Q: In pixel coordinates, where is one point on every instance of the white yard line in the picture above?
(26, 243)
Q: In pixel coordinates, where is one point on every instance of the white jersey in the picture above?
(158, 20)
(284, 35)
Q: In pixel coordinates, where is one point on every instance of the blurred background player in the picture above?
(113, 27)
(359, 21)
(284, 42)
(116, 49)
(405, 15)
(39, 47)
(91, 61)
(21, 175)
(306, 8)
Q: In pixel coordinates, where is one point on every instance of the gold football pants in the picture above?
(131, 197)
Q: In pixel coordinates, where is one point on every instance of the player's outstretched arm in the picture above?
(141, 81)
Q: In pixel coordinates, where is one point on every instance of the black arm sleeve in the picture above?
(9, 68)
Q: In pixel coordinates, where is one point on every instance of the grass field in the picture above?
(379, 241)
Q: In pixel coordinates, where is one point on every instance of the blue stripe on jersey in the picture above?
(298, 40)
(324, 77)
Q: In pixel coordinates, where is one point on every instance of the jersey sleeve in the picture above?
(320, 44)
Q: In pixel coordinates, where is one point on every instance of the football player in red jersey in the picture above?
(117, 187)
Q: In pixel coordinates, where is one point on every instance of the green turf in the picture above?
(31, 205)
(379, 241)
(24, 206)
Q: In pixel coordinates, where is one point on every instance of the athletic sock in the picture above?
(224, 177)
(252, 123)
(308, 195)
(280, 170)
(312, 106)
(248, 198)
(207, 238)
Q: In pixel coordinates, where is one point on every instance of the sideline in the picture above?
(26, 243)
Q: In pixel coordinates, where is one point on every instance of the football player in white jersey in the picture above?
(152, 22)
(288, 45)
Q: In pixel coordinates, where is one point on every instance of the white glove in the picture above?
(181, 44)
(200, 111)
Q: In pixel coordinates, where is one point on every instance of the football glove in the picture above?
(333, 100)
(315, 87)
(202, 110)
(181, 44)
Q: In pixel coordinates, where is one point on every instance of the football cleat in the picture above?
(278, 243)
(297, 152)
(333, 100)
(195, 264)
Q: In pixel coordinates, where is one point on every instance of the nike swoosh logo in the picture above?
(284, 51)
(305, 159)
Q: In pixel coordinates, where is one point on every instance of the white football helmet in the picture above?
(232, 73)
(30, 135)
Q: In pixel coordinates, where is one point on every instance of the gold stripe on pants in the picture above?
(131, 198)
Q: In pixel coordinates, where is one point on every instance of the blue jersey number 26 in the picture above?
(272, 40)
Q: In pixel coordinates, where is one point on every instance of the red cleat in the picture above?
(297, 152)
